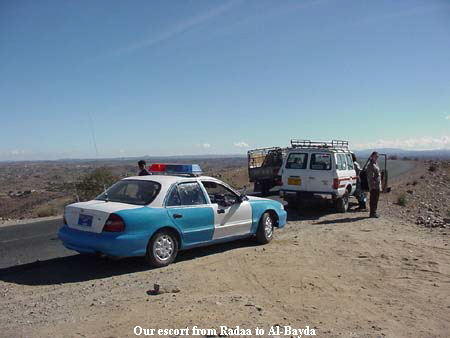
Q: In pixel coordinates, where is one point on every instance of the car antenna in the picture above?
(96, 153)
(76, 192)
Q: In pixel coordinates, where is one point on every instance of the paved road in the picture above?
(27, 243)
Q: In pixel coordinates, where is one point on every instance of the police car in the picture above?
(173, 209)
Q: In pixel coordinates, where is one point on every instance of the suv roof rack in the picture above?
(333, 145)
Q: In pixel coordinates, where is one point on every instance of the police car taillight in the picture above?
(114, 223)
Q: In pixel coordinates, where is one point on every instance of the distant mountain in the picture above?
(155, 158)
(361, 154)
(424, 154)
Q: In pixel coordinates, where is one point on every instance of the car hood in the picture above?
(255, 198)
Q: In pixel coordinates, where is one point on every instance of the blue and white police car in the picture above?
(174, 209)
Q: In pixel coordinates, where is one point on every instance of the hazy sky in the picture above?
(206, 77)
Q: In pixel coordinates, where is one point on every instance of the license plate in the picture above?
(294, 181)
(85, 220)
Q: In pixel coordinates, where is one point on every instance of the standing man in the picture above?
(142, 170)
(374, 181)
(359, 193)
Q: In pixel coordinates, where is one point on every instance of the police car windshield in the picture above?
(131, 192)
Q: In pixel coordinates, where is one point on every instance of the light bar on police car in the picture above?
(184, 169)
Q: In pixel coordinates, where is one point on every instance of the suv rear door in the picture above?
(320, 175)
(295, 172)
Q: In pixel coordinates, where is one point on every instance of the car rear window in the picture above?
(297, 161)
(132, 192)
(320, 161)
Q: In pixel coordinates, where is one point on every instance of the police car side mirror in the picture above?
(223, 203)
(243, 193)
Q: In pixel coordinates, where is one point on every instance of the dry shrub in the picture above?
(46, 211)
(402, 200)
(94, 183)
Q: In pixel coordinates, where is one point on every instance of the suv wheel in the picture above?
(342, 203)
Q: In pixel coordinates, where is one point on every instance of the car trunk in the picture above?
(91, 216)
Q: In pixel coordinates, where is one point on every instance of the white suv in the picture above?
(318, 169)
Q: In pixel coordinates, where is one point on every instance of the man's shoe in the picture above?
(374, 216)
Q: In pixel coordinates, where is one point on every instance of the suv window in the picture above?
(188, 193)
(341, 163)
(220, 194)
(350, 162)
(297, 161)
(320, 161)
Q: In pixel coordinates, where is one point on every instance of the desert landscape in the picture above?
(43, 188)
(343, 275)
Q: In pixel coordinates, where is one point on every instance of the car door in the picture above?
(188, 208)
(344, 174)
(232, 214)
(320, 177)
(352, 171)
(294, 174)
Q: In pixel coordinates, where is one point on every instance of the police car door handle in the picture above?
(177, 216)
(220, 211)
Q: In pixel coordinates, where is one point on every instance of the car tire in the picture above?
(264, 234)
(343, 203)
(162, 249)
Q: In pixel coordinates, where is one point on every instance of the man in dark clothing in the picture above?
(142, 170)
(359, 193)
(374, 182)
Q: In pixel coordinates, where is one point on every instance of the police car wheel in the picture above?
(162, 249)
(342, 203)
(264, 234)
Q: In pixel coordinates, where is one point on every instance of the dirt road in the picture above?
(343, 275)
